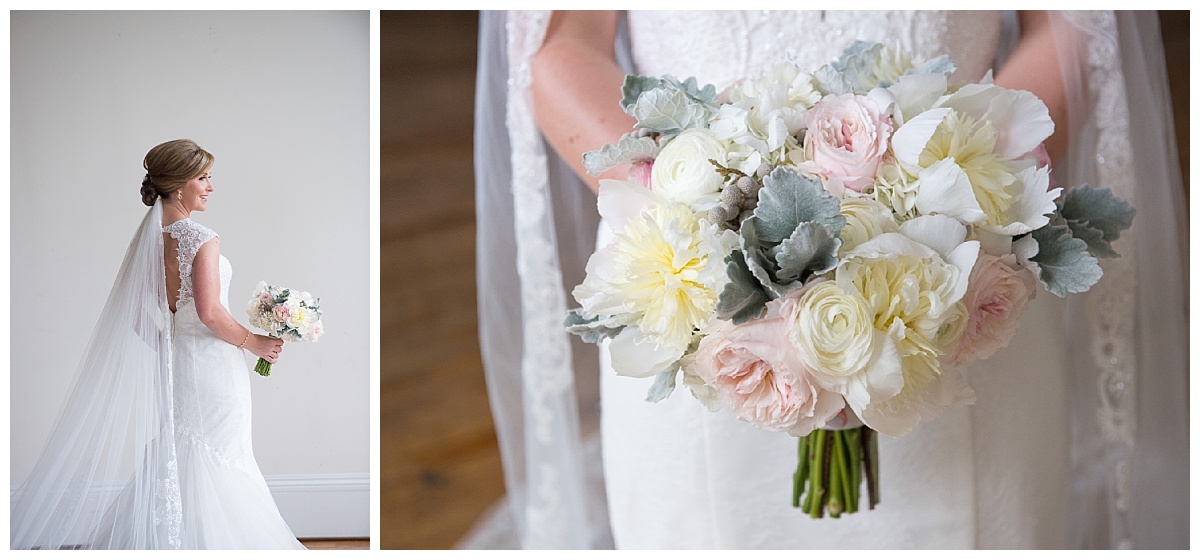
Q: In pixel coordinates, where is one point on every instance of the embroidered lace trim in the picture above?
(1112, 350)
(170, 513)
(190, 236)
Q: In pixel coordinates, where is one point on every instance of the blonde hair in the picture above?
(170, 165)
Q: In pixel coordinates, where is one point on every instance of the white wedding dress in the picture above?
(224, 502)
(1059, 451)
(680, 476)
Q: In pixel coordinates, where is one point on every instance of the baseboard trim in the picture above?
(315, 506)
(323, 506)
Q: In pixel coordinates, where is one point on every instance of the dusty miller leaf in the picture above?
(629, 149)
(857, 64)
(812, 248)
(788, 199)
(664, 384)
(743, 298)
(1066, 266)
(1097, 216)
(1094, 238)
(635, 86)
(591, 328)
(940, 65)
(668, 111)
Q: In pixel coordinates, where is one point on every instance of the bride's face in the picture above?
(195, 193)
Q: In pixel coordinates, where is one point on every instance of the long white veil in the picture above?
(1128, 336)
(1129, 407)
(111, 454)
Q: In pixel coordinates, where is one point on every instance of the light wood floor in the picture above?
(334, 544)
(440, 467)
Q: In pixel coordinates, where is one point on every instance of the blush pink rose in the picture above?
(282, 314)
(997, 294)
(1043, 160)
(757, 374)
(640, 173)
(846, 140)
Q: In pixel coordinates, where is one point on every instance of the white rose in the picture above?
(682, 172)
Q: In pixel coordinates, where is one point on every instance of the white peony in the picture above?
(913, 295)
(968, 154)
(661, 276)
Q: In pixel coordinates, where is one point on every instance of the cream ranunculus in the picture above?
(682, 171)
(757, 374)
(865, 219)
(840, 346)
(846, 140)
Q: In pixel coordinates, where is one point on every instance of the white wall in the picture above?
(282, 100)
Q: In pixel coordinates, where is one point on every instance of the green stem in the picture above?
(854, 448)
(825, 472)
(849, 482)
(801, 470)
(816, 487)
(837, 470)
(870, 446)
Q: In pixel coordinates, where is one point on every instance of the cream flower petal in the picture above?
(963, 258)
(1021, 120)
(909, 140)
(882, 379)
(946, 189)
(916, 93)
(927, 402)
(634, 355)
(620, 201)
(1033, 203)
(940, 233)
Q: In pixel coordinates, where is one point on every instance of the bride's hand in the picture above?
(265, 347)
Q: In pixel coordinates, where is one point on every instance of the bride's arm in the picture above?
(1034, 66)
(577, 88)
(206, 296)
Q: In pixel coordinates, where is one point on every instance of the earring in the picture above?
(180, 197)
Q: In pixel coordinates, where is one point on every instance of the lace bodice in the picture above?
(720, 47)
(191, 236)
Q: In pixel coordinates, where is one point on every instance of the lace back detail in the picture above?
(190, 236)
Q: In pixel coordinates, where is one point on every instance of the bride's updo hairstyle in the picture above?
(170, 165)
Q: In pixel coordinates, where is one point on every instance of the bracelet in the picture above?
(244, 340)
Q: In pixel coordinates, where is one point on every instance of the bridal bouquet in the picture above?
(283, 313)
(819, 252)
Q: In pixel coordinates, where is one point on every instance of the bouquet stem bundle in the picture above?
(263, 367)
(832, 464)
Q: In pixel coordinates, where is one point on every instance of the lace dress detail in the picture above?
(190, 236)
(723, 46)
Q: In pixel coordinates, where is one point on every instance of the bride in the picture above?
(161, 403)
(1079, 436)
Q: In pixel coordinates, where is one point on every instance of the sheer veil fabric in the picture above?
(1127, 350)
(153, 448)
(116, 428)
